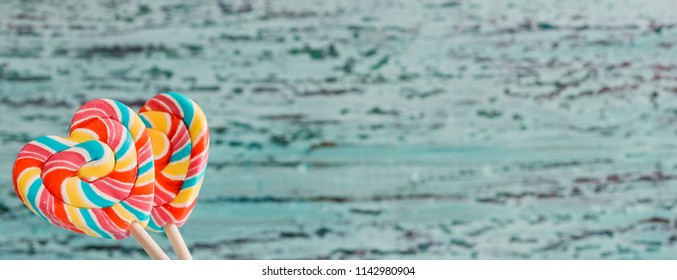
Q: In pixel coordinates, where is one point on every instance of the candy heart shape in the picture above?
(180, 136)
(99, 180)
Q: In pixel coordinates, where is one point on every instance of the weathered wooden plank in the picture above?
(372, 129)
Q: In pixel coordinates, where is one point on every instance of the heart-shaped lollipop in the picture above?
(99, 181)
(180, 137)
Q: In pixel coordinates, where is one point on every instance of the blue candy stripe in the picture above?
(145, 121)
(140, 215)
(145, 167)
(94, 197)
(33, 195)
(93, 148)
(181, 154)
(186, 106)
(192, 182)
(92, 224)
(124, 113)
(53, 143)
(124, 148)
(152, 225)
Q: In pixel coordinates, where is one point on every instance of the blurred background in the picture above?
(372, 129)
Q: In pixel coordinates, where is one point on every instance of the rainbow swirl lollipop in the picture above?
(180, 138)
(98, 181)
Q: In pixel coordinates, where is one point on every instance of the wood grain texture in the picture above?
(372, 129)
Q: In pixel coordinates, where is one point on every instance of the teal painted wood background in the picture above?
(373, 129)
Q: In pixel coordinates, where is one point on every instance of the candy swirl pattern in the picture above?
(97, 181)
(180, 139)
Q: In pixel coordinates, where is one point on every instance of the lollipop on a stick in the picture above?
(180, 137)
(98, 181)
